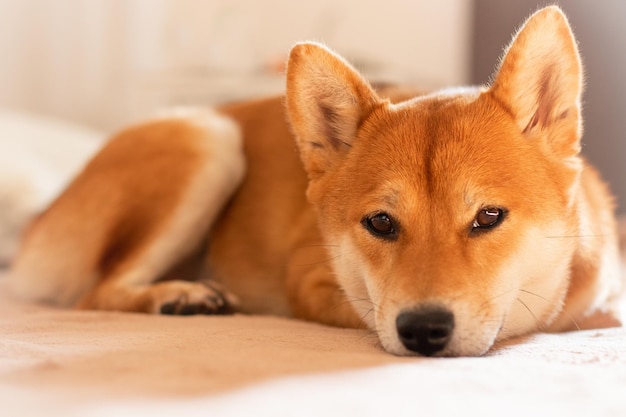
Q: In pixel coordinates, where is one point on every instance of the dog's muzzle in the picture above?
(425, 330)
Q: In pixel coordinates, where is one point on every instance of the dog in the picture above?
(38, 156)
(444, 222)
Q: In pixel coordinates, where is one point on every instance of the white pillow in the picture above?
(38, 157)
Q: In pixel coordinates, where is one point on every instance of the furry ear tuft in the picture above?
(326, 102)
(540, 81)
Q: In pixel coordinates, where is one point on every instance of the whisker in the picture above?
(572, 236)
(322, 261)
(328, 256)
(567, 314)
(537, 322)
(351, 299)
(541, 327)
(363, 323)
(317, 245)
(497, 296)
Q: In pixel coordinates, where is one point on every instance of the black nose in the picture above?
(425, 331)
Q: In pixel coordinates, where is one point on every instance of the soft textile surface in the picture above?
(57, 362)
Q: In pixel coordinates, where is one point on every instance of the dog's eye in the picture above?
(380, 225)
(488, 218)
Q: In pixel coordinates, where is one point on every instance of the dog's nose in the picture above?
(425, 331)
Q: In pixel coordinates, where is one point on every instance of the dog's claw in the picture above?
(199, 298)
(169, 308)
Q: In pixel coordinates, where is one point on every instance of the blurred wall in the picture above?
(107, 62)
(600, 28)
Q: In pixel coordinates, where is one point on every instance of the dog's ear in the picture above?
(540, 81)
(327, 100)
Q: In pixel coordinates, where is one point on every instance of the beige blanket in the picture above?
(75, 363)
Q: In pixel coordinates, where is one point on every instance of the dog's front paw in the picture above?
(188, 298)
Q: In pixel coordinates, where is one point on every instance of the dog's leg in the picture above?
(143, 204)
(131, 286)
(129, 293)
(314, 293)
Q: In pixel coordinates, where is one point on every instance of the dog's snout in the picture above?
(425, 331)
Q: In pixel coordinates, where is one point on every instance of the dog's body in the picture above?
(445, 222)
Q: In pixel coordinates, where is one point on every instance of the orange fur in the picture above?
(368, 214)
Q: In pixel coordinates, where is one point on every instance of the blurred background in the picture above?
(104, 63)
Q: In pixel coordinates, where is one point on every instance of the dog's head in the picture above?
(447, 212)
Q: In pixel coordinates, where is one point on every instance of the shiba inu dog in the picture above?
(443, 222)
